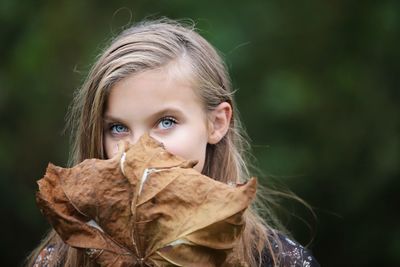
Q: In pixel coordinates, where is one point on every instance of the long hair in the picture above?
(146, 46)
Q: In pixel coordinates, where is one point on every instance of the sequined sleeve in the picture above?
(292, 255)
(44, 257)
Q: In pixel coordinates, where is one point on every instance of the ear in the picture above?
(219, 121)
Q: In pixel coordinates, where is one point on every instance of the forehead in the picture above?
(147, 92)
(181, 71)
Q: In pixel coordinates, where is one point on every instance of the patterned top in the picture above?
(44, 257)
(293, 255)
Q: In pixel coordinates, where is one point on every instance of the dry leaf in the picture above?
(144, 207)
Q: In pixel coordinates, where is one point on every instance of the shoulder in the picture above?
(290, 253)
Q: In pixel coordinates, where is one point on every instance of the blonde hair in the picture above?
(146, 46)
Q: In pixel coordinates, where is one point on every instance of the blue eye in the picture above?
(167, 123)
(118, 128)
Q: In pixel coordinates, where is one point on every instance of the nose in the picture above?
(131, 140)
(135, 138)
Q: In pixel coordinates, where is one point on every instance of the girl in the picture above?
(162, 78)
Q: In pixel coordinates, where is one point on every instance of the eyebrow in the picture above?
(152, 117)
(109, 118)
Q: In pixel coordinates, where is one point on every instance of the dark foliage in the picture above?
(318, 89)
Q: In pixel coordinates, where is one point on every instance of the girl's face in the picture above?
(163, 104)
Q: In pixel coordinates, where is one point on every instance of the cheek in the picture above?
(195, 154)
(189, 148)
(110, 147)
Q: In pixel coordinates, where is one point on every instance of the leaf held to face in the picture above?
(145, 207)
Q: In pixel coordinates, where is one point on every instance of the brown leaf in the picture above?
(145, 207)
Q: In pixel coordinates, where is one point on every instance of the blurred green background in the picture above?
(318, 91)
